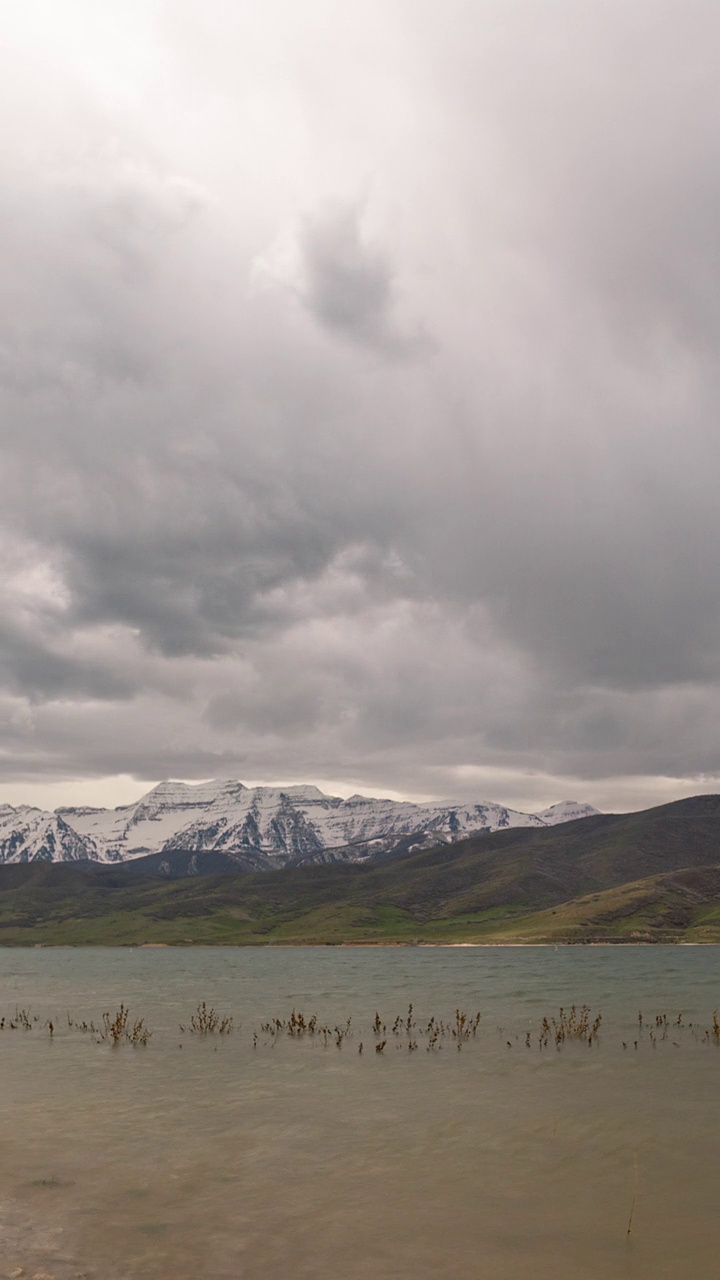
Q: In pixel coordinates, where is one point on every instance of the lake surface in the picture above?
(241, 1158)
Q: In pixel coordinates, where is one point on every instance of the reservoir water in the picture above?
(262, 1154)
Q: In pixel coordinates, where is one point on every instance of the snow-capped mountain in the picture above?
(31, 835)
(566, 811)
(297, 824)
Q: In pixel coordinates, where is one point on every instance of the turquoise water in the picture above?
(240, 1157)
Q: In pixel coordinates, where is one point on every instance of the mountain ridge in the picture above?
(297, 824)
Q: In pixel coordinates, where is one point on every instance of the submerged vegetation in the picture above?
(114, 1028)
(206, 1022)
(576, 1025)
(117, 1028)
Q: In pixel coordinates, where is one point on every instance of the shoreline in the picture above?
(410, 946)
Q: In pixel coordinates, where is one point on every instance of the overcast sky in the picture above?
(359, 384)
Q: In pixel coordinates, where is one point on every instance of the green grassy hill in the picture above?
(652, 876)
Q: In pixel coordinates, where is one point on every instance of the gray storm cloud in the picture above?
(428, 501)
(348, 285)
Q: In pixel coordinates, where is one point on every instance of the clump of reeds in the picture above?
(434, 1035)
(114, 1029)
(573, 1025)
(87, 1028)
(405, 1027)
(342, 1033)
(117, 1028)
(22, 1021)
(464, 1027)
(207, 1022)
(298, 1025)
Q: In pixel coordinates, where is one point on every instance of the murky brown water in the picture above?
(215, 1158)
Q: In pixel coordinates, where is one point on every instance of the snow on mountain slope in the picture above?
(566, 811)
(31, 835)
(155, 819)
(289, 824)
(286, 824)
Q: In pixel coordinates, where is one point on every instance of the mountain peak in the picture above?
(567, 811)
(304, 791)
(172, 790)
